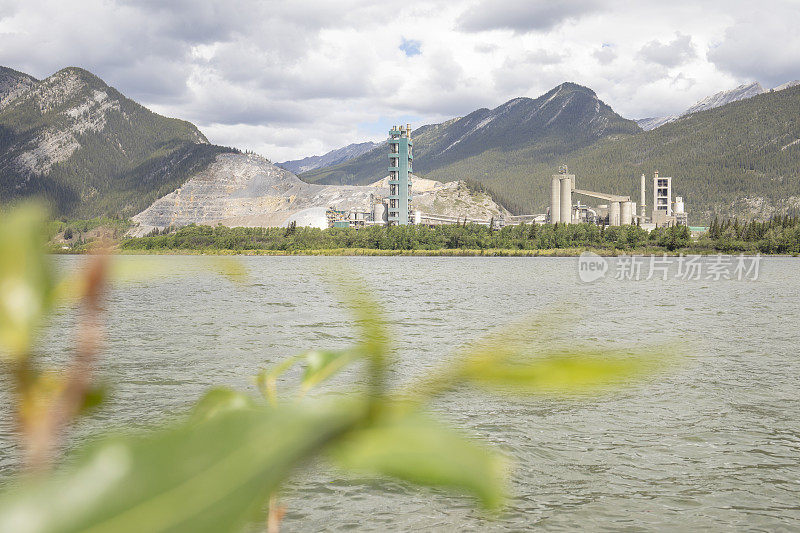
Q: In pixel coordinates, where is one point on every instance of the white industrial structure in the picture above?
(662, 199)
(619, 210)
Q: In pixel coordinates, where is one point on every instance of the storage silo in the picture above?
(566, 200)
(625, 216)
(555, 200)
(613, 213)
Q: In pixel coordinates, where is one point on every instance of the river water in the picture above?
(713, 444)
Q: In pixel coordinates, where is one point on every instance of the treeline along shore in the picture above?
(780, 235)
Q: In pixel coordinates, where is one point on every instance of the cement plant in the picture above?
(397, 208)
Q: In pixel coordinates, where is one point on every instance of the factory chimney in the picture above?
(642, 200)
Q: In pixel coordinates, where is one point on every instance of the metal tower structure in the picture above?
(400, 161)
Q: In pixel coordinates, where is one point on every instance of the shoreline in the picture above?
(445, 252)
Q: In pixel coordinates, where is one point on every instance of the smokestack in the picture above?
(408, 130)
(642, 200)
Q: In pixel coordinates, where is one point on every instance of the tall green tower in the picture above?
(400, 158)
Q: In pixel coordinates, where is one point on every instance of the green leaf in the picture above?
(267, 378)
(94, 398)
(220, 400)
(322, 364)
(208, 477)
(577, 371)
(26, 279)
(420, 450)
(231, 268)
(372, 330)
(147, 268)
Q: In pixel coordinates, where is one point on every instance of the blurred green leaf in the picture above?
(208, 477)
(231, 268)
(368, 315)
(322, 364)
(420, 450)
(267, 378)
(26, 279)
(368, 319)
(577, 371)
(148, 268)
(220, 400)
(319, 366)
(93, 399)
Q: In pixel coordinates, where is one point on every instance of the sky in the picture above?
(293, 78)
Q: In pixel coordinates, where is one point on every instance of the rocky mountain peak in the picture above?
(13, 84)
(742, 92)
(331, 158)
(747, 90)
(70, 135)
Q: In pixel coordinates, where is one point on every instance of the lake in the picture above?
(713, 444)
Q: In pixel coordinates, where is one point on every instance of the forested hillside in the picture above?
(88, 150)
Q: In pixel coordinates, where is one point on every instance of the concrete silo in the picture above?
(555, 199)
(566, 199)
(613, 213)
(626, 214)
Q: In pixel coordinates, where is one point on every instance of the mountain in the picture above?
(12, 84)
(737, 159)
(742, 92)
(721, 98)
(741, 159)
(87, 149)
(334, 157)
(787, 85)
(566, 118)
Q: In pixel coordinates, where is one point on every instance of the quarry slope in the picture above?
(249, 191)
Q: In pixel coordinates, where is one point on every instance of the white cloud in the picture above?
(605, 54)
(289, 78)
(523, 16)
(671, 54)
(763, 48)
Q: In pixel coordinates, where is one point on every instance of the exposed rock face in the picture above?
(82, 145)
(248, 190)
(57, 144)
(12, 84)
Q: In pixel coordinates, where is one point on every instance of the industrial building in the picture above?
(395, 209)
(400, 167)
(665, 211)
(619, 210)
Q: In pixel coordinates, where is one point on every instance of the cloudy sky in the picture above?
(294, 78)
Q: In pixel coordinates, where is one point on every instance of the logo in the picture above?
(591, 267)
